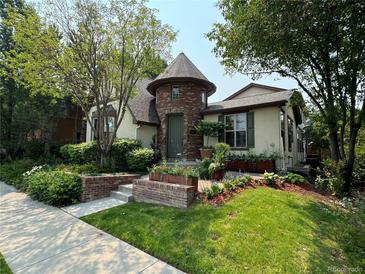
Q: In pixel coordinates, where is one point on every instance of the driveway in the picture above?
(36, 238)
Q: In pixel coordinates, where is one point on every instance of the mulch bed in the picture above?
(304, 189)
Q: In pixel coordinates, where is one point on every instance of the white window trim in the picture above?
(234, 130)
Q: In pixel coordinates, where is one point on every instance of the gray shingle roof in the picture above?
(143, 106)
(184, 70)
(249, 102)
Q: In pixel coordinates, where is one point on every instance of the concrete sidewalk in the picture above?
(36, 238)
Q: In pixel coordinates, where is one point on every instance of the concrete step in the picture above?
(123, 196)
(126, 188)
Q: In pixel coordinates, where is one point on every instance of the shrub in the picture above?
(270, 178)
(87, 152)
(330, 179)
(359, 171)
(217, 189)
(208, 192)
(140, 158)
(54, 187)
(294, 178)
(230, 185)
(175, 170)
(12, 172)
(243, 180)
(203, 168)
(79, 153)
(89, 168)
(121, 147)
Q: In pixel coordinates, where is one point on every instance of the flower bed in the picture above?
(174, 175)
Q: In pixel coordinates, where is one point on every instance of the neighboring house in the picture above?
(258, 118)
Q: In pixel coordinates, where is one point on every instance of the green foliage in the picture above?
(87, 152)
(209, 129)
(208, 192)
(203, 168)
(121, 147)
(293, 178)
(175, 170)
(243, 180)
(219, 157)
(270, 178)
(89, 168)
(140, 158)
(359, 170)
(217, 189)
(79, 153)
(230, 185)
(252, 157)
(330, 177)
(12, 172)
(54, 187)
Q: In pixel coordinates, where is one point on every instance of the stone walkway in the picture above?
(36, 238)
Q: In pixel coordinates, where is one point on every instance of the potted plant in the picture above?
(217, 167)
(209, 129)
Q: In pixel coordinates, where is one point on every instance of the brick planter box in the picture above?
(162, 193)
(175, 179)
(257, 166)
(96, 187)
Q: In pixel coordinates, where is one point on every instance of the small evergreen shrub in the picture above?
(140, 158)
(121, 147)
(54, 187)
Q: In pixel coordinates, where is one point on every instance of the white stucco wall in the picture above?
(127, 128)
(145, 133)
(267, 130)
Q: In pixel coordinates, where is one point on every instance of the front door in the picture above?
(174, 138)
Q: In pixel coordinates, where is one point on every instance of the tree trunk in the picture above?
(349, 166)
(334, 146)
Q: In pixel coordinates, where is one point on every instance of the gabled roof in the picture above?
(143, 106)
(181, 69)
(250, 86)
(250, 102)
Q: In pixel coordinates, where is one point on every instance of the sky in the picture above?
(192, 19)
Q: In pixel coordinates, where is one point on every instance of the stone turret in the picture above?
(181, 94)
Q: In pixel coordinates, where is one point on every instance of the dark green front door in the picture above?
(174, 136)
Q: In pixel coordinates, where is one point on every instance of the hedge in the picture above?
(140, 158)
(87, 152)
(54, 187)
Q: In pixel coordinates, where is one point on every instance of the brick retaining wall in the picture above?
(96, 187)
(163, 193)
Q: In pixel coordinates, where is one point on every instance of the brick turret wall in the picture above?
(189, 105)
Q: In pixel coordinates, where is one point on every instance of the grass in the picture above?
(259, 231)
(4, 268)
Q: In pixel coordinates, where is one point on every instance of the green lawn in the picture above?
(4, 268)
(259, 231)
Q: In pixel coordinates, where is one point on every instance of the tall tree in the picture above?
(107, 47)
(8, 86)
(320, 44)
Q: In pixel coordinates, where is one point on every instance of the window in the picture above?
(175, 93)
(111, 122)
(236, 130)
(203, 97)
(290, 134)
(282, 127)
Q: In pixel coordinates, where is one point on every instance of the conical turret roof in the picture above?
(181, 69)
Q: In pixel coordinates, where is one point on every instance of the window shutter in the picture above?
(221, 132)
(250, 130)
